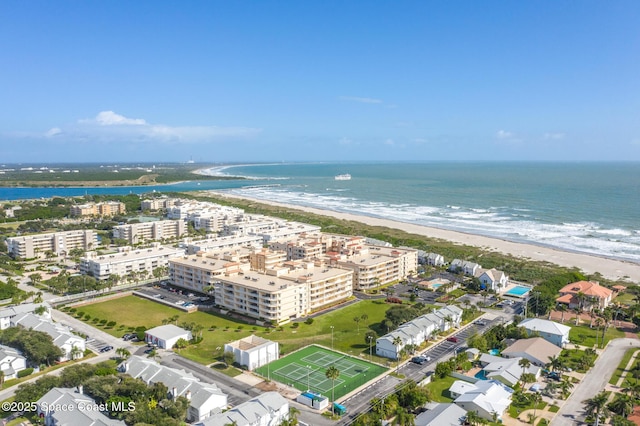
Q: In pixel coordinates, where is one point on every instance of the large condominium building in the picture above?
(136, 233)
(373, 265)
(268, 228)
(224, 243)
(158, 203)
(278, 292)
(60, 243)
(107, 208)
(128, 261)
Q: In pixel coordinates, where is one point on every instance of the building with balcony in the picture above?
(107, 208)
(59, 243)
(135, 233)
(140, 261)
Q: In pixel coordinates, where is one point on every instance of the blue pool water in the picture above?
(494, 352)
(481, 375)
(436, 286)
(518, 290)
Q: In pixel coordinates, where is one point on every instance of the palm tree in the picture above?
(123, 352)
(632, 388)
(357, 321)
(75, 352)
(555, 363)
(397, 341)
(536, 398)
(562, 308)
(473, 419)
(524, 363)
(332, 374)
(404, 418)
(622, 404)
(596, 406)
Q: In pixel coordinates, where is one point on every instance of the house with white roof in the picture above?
(205, 399)
(72, 346)
(11, 362)
(505, 370)
(551, 331)
(76, 412)
(418, 331)
(267, 409)
(7, 314)
(253, 351)
(165, 336)
(484, 397)
(441, 414)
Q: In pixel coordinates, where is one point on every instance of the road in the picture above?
(358, 404)
(572, 412)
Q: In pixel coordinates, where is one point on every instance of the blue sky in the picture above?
(319, 80)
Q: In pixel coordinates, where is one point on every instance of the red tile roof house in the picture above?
(595, 296)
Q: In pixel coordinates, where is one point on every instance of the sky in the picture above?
(235, 81)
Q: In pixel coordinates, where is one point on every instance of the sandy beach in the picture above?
(609, 268)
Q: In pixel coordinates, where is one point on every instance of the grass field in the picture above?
(348, 337)
(585, 336)
(305, 370)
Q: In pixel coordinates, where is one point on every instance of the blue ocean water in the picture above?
(584, 207)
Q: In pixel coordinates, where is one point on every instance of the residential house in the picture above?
(586, 295)
(418, 331)
(492, 279)
(536, 349)
(7, 314)
(485, 397)
(553, 332)
(505, 370)
(441, 414)
(464, 266)
(434, 259)
(72, 346)
(11, 362)
(77, 409)
(267, 409)
(205, 399)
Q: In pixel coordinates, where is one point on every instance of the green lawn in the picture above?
(585, 336)
(622, 366)
(440, 389)
(348, 336)
(305, 370)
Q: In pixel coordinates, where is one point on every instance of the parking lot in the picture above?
(176, 296)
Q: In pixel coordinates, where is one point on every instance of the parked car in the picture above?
(453, 339)
(481, 322)
(148, 351)
(420, 359)
(106, 349)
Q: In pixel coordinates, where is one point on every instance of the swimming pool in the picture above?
(482, 375)
(436, 286)
(518, 291)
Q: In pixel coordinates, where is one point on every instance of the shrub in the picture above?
(295, 325)
(87, 317)
(103, 321)
(25, 372)
(111, 324)
(80, 314)
(309, 321)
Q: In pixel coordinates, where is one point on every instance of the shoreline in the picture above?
(609, 268)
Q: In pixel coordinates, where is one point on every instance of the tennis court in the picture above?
(306, 368)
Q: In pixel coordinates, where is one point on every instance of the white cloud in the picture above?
(503, 134)
(345, 141)
(361, 100)
(108, 126)
(110, 118)
(390, 142)
(53, 132)
(553, 136)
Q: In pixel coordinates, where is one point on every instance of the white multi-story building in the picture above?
(224, 243)
(158, 203)
(59, 243)
(136, 233)
(128, 260)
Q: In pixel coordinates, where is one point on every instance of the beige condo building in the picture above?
(277, 292)
(107, 208)
(60, 243)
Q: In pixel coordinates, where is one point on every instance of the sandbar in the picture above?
(612, 269)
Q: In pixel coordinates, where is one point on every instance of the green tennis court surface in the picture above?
(305, 370)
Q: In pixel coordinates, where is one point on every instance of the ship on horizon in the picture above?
(345, 176)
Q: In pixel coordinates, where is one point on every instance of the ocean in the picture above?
(582, 207)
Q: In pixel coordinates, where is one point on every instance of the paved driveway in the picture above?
(572, 412)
